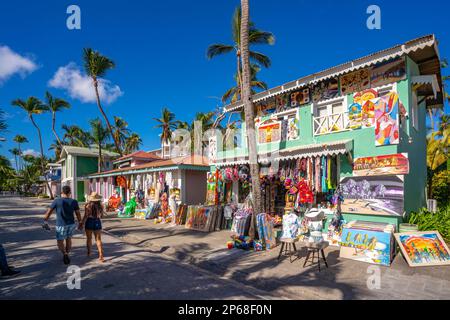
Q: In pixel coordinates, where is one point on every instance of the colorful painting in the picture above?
(355, 81)
(376, 195)
(266, 107)
(370, 246)
(282, 102)
(324, 90)
(365, 100)
(269, 131)
(387, 123)
(394, 164)
(300, 97)
(423, 248)
(355, 116)
(388, 72)
(176, 192)
(292, 129)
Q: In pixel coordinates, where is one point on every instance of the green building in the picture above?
(365, 120)
(77, 163)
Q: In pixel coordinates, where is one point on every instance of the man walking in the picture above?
(65, 221)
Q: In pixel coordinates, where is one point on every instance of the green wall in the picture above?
(86, 165)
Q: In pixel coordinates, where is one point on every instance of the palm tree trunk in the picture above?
(53, 128)
(106, 118)
(42, 157)
(239, 73)
(430, 113)
(99, 164)
(249, 117)
(20, 157)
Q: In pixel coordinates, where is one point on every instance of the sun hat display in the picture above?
(94, 197)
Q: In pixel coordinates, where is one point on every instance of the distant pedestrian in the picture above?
(6, 270)
(65, 208)
(93, 213)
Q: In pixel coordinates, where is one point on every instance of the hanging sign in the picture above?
(394, 164)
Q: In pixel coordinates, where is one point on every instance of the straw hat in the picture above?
(94, 197)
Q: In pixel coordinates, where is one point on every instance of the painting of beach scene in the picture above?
(423, 248)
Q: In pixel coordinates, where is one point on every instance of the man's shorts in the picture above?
(65, 232)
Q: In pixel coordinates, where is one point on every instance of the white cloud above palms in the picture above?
(79, 85)
(12, 63)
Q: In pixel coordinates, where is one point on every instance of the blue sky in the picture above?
(159, 50)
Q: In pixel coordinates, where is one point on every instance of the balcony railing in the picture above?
(331, 123)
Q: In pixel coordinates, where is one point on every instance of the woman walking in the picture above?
(92, 223)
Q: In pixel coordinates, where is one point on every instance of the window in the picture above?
(330, 116)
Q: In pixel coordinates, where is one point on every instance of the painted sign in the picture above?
(394, 164)
(375, 195)
(423, 248)
(269, 131)
(324, 90)
(388, 72)
(300, 97)
(355, 81)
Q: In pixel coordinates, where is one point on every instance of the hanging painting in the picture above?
(292, 129)
(355, 81)
(269, 131)
(387, 123)
(388, 72)
(423, 248)
(300, 97)
(394, 164)
(374, 195)
(282, 102)
(266, 107)
(355, 116)
(325, 90)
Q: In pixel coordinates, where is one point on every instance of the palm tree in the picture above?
(20, 139)
(249, 114)
(255, 37)
(166, 123)
(55, 105)
(57, 148)
(234, 94)
(132, 143)
(75, 136)
(3, 125)
(34, 106)
(96, 66)
(120, 131)
(16, 153)
(206, 119)
(99, 136)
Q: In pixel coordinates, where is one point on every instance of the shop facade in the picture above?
(355, 132)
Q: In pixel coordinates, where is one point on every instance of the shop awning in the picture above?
(316, 150)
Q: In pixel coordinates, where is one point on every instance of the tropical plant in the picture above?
(55, 105)
(234, 94)
(100, 136)
(33, 106)
(20, 139)
(255, 37)
(3, 124)
(249, 114)
(132, 143)
(96, 66)
(6, 173)
(167, 124)
(75, 136)
(120, 132)
(57, 149)
(16, 153)
(429, 221)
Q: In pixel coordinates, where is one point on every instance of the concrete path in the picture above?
(130, 272)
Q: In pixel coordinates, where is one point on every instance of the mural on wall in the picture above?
(269, 131)
(324, 90)
(387, 121)
(394, 164)
(377, 195)
(355, 81)
(300, 97)
(388, 72)
(423, 248)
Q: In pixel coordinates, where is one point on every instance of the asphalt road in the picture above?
(129, 272)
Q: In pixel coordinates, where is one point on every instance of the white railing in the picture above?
(331, 123)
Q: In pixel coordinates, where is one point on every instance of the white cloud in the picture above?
(31, 152)
(13, 63)
(79, 85)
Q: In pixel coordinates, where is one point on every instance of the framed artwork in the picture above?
(355, 116)
(269, 131)
(388, 72)
(374, 195)
(282, 102)
(292, 129)
(394, 164)
(355, 81)
(387, 120)
(266, 107)
(325, 90)
(300, 97)
(426, 248)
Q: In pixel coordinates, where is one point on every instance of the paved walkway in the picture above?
(130, 272)
(345, 279)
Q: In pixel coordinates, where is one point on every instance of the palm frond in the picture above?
(218, 49)
(260, 58)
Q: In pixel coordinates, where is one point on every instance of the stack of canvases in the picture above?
(180, 217)
(241, 221)
(203, 218)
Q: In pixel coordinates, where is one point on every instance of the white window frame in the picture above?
(414, 107)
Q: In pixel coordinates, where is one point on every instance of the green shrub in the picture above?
(441, 188)
(428, 221)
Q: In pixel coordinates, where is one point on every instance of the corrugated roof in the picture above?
(140, 155)
(91, 151)
(410, 47)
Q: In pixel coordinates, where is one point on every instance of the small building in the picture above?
(53, 176)
(77, 162)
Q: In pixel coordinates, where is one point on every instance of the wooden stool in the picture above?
(286, 248)
(316, 249)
